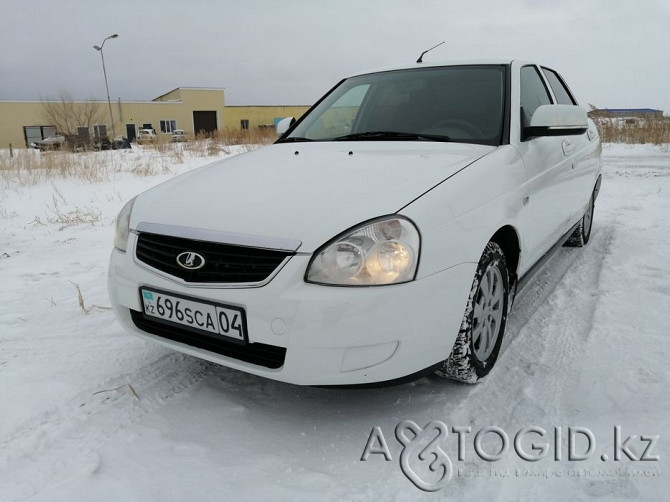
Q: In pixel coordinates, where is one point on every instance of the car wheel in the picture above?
(583, 231)
(480, 336)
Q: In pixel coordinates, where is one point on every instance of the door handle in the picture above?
(568, 146)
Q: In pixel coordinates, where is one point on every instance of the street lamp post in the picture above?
(104, 71)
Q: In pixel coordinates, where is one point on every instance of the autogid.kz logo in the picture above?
(424, 445)
(424, 461)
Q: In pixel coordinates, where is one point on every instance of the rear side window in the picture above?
(563, 96)
(533, 93)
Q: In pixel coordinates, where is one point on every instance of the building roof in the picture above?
(630, 110)
(159, 98)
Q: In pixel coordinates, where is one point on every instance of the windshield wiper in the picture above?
(293, 139)
(391, 136)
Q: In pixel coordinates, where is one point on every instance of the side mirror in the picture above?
(284, 125)
(557, 120)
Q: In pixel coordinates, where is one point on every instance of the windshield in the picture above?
(451, 103)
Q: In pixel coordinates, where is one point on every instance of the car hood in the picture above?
(307, 192)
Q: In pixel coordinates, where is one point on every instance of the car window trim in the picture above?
(507, 113)
(309, 110)
(547, 88)
(562, 81)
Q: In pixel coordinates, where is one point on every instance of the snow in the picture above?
(587, 346)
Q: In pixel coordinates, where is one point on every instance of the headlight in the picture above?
(385, 251)
(122, 228)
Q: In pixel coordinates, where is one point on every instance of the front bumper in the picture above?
(332, 335)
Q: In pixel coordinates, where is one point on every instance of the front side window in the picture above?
(453, 103)
(533, 93)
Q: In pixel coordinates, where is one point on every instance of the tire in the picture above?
(582, 233)
(484, 320)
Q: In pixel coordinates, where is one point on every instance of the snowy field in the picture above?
(89, 412)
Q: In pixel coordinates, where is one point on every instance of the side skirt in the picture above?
(523, 281)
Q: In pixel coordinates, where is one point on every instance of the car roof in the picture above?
(444, 62)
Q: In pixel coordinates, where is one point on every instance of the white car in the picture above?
(382, 236)
(179, 136)
(146, 136)
(53, 142)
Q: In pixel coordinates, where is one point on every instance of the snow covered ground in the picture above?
(587, 346)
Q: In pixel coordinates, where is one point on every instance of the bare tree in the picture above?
(67, 115)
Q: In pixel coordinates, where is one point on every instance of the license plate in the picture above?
(226, 320)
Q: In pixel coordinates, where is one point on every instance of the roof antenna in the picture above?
(420, 60)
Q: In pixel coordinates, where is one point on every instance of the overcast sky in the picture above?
(613, 53)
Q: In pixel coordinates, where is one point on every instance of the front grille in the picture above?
(260, 354)
(224, 263)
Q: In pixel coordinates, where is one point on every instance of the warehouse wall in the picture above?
(177, 105)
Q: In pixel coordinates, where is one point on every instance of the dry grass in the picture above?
(634, 130)
(151, 166)
(254, 138)
(120, 387)
(205, 146)
(30, 167)
(76, 216)
(82, 304)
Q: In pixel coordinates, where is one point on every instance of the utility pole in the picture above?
(104, 71)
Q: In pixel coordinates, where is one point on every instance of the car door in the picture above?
(548, 165)
(582, 149)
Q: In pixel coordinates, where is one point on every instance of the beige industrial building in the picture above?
(195, 110)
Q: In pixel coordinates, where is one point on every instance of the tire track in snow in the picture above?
(63, 441)
(549, 326)
(549, 323)
(552, 327)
